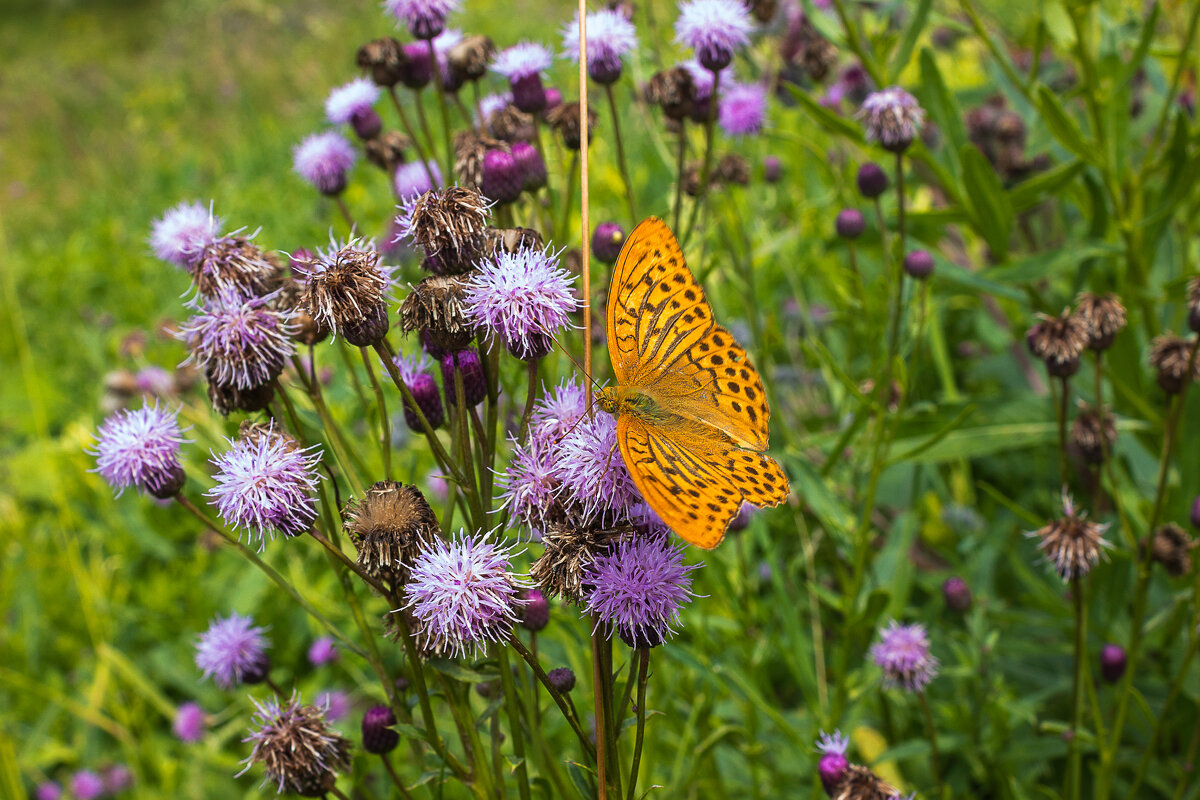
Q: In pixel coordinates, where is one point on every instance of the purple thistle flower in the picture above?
(443, 43)
(231, 649)
(425, 18)
(323, 651)
(402, 222)
(335, 703)
(154, 380)
(638, 589)
(412, 180)
(86, 785)
(350, 100)
(531, 483)
(141, 448)
(323, 159)
(48, 790)
(835, 743)
(609, 37)
(462, 593)
(519, 297)
(903, 654)
(265, 484)
(239, 341)
(523, 65)
(892, 117)
(713, 29)
(742, 109)
(832, 766)
(189, 723)
(490, 104)
(117, 778)
(474, 385)
(591, 470)
(702, 80)
(557, 411)
(502, 179)
(182, 232)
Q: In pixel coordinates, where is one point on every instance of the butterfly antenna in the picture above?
(580, 367)
(585, 234)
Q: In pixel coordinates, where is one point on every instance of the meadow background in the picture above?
(111, 112)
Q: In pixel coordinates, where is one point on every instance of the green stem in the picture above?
(385, 424)
(1060, 413)
(567, 712)
(706, 167)
(441, 96)
(346, 215)
(387, 763)
(334, 435)
(1074, 754)
(621, 163)
(1172, 696)
(514, 722)
(934, 758)
(426, 161)
(417, 671)
(643, 658)
(560, 231)
(680, 152)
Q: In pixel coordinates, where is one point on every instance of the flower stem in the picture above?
(601, 717)
(1172, 696)
(679, 154)
(1074, 755)
(385, 425)
(1061, 415)
(387, 763)
(560, 701)
(346, 215)
(412, 135)
(935, 759)
(621, 163)
(643, 656)
(514, 722)
(706, 168)
(441, 96)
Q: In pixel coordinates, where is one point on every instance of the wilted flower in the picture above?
(860, 783)
(742, 109)
(385, 59)
(462, 594)
(903, 654)
(713, 29)
(449, 224)
(300, 753)
(235, 263)
(638, 589)
(565, 120)
(141, 448)
(346, 290)
(1172, 547)
(390, 527)
(239, 342)
(189, 723)
(892, 117)
(673, 92)
(524, 64)
(468, 59)
(265, 483)
(1058, 341)
(1073, 544)
(1093, 434)
(1173, 357)
(1104, 316)
(232, 651)
(182, 232)
(568, 552)
(522, 298)
(609, 37)
(323, 159)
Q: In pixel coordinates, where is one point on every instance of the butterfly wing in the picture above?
(696, 480)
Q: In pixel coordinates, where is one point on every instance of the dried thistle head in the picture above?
(1093, 433)
(565, 120)
(389, 526)
(569, 550)
(511, 124)
(1104, 317)
(385, 59)
(510, 240)
(235, 262)
(1072, 543)
(226, 398)
(300, 753)
(1173, 357)
(449, 224)
(1172, 547)
(860, 783)
(733, 168)
(469, 150)
(469, 59)
(671, 90)
(346, 291)
(1059, 342)
(386, 151)
(437, 308)
(288, 298)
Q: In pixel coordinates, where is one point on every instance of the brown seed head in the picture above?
(300, 753)
(564, 118)
(1193, 303)
(859, 783)
(733, 168)
(437, 306)
(511, 124)
(1073, 544)
(346, 287)
(1093, 434)
(384, 59)
(510, 240)
(236, 262)
(569, 550)
(1104, 317)
(229, 398)
(386, 151)
(1059, 341)
(1171, 355)
(671, 90)
(389, 527)
(469, 58)
(1172, 548)
(308, 330)
(449, 224)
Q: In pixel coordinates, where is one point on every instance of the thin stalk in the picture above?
(412, 135)
(424, 123)
(1189, 762)
(530, 398)
(560, 229)
(814, 608)
(601, 718)
(680, 152)
(347, 562)
(706, 167)
(338, 793)
(1060, 412)
(610, 714)
(334, 434)
(385, 424)
(1074, 754)
(346, 215)
(568, 713)
(1172, 696)
(343, 348)
(1176, 76)
(464, 441)
(621, 163)
(387, 763)
(934, 757)
(514, 722)
(584, 225)
(417, 671)
(441, 96)
(643, 655)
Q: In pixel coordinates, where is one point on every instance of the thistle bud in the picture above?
(535, 614)
(501, 181)
(850, 223)
(918, 264)
(872, 180)
(468, 364)
(530, 165)
(385, 59)
(562, 679)
(607, 241)
(378, 737)
(957, 594)
(1112, 662)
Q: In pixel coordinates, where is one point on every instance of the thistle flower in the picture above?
(530, 166)
(1058, 341)
(48, 790)
(860, 783)
(1073, 544)
(378, 736)
(565, 120)
(1171, 546)
(1104, 317)
(141, 448)
(425, 18)
(713, 29)
(609, 37)
(772, 169)
(390, 527)
(300, 753)
(437, 308)
(86, 785)
(235, 263)
(1171, 356)
(833, 764)
(531, 484)
(384, 58)
(593, 475)
(465, 362)
(469, 58)
(501, 180)
(892, 118)
(354, 103)
(535, 611)
(414, 373)
(265, 484)
(742, 109)
(607, 241)
(411, 179)
(850, 223)
(1112, 662)
(346, 290)
(182, 232)
(418, 67)
(524, 64)
(902, 652)
(521, 298)
(569, 550)
(336, 704)
(117, 779)
(872, 180)
(239, 342)
(233, 651)
(672, 90)
(918, 264)
(443, 43)
(638, 589)
(489, 104)
(322, 651)
(188, 725)
(323, 159)
(957, 594)
(462, 594)
(562, 679)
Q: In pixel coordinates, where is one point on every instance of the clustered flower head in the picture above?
(141, 448)
(449, 225)
(232, 651)
(182, 232)
(346, 290)
(1172, 356)
(592, 472)
(1072, 543)
(239, 342)
(892, 118)
(524, 64)
(235, 263)
(742, 109)
(265, 483)
(609, 37)
(638, 589)
(324, 159)
(1104, 317)
(462, 593)
(522, 298)
(354, 103)
(425, 18)
(903, 654)
(299, 751)
(713, 29)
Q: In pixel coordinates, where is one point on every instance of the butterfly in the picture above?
(690, 407)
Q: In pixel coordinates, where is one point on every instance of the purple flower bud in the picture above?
(425, 18)
(48, 791)
(523, 65)
(831, 768)
(418, 69)
(528, 93)
(535, 614)
(957, 594)
(850, 223)
(377, 733)
(553, 98)
(872, 180)
(86, 785)
(919, 264)
(714, 29)
(189, 723)
(424, 390)
(117, 778)
(530, 165)
(367, 123)
(502, 180)
(607, 241)
(1112, 662)
(772, 169)
(474, 385)
(562, 679)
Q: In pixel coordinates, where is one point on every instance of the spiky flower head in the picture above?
(522, 61)
(350, 100)
(565, 120)
(462, 593)
(188, 724)
(300, 752)
(468, 59)
(672, 91)
(390, 527)
(235, 263)
(232, 651)
(531, 484)
(713, 29)
(557, 411)
(346, 290)
(425, 18)
(860, 783)
(902, 652)
(182, 232)
(322, 651)
(449, 225)
(610, 35)
(1104, 316)
(1059, 342)
(1172, 547)
(742, 109)
(141, 448)
(892, 118)
(240, 342)
(265, 484)
(1173, 357)
(384, 59)
(437, 308)
(523, 299)
(1093, 433)
(1073, 543)
(833, 764)
(592, 472)
(638, 588)
(324, 159)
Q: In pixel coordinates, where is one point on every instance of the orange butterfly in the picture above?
(690, 407)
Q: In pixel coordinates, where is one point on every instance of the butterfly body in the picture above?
(691, 410)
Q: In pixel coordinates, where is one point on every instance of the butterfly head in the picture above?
(607, 399)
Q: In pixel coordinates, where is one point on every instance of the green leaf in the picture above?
(819, 498)
(1029, 193)
(1064, 129)
(943, 110)
(461, 673)
(826, 118)
(904, 51)
(991, 209)
(1049, 265)
(581, 779)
